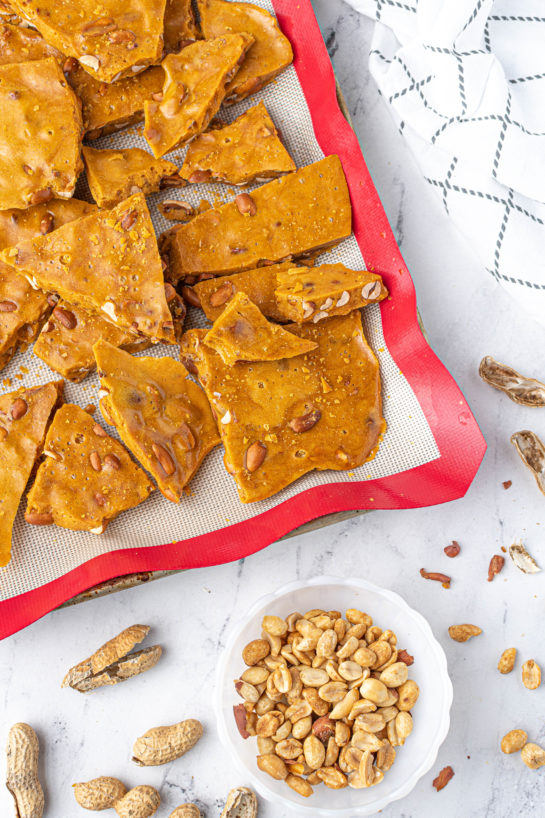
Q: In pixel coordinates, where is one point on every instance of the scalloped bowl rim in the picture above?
(311, 810)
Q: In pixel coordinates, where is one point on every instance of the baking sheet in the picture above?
(42, 556)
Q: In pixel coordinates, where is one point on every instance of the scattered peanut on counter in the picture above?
(110, 793)
(327, 698)
(531, 675)
(461, 633)
(161, 745)
(186, 811)
(507, 660)
(22, 772)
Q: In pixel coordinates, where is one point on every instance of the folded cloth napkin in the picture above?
(465, 80)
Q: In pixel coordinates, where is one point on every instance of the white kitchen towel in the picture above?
(465, 80)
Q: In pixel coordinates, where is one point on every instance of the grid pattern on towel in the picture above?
(41, 555)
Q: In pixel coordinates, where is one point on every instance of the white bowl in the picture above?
(431, 713)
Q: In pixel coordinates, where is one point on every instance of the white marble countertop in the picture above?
(466, 316)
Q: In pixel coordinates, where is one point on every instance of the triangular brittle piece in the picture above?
(322, 411)
(240, 153)
(316, 293)
(195, 81)
(66, 341)
(270, 54)
(242, 333)
(289, 217)
(40, 134)
(213, 294)
(87, 477)
(162, 416)
(106, 262)
(180, 26)
(24, 418)
(110, 39)
(23, 309)
(113, 175)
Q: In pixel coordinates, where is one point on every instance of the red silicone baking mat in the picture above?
(430, 453)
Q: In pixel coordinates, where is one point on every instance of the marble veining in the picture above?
(466, 316)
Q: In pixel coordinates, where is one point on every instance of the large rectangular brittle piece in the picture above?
(289, 217)
(107, 262)
(109, 39)
(24, 418)
(321, 411)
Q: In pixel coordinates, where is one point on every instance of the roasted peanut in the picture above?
(299, 785)
(274, 625)
(507, 660)
(273, 766)
(314, 752)
(375, 691)
(531, 675)
(255, 651)
(533, 756)
(408, 695)
(461, 633)
(332, 778)
(395, 675)
(513, 741)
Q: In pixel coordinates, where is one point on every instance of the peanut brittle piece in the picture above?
(331, 289)
(110, 40)
(107, 262)
(113, 175)
(24, 418)
(321, 411)
(40, 134)
(240, 153)
(110, 108)
(23, 309)
(287, 218)
(86, 479)
(161, 416)
(180, 26)
(66, 341)
(270, 54)
(195, 81)
(259, 285)
(106, 108)
(242, 333)
(20, 44)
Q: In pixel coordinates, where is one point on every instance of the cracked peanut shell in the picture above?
(113, 662)
(241, 803)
